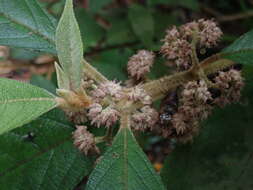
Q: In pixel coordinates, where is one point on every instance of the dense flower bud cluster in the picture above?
(77, 117)
(138, 94)
(140, 64)
(100, 116)
(207, 31)
(177, 42)
(176, 48)
(144, 119)
(193, 108)
(184, 106)
(230, 83)
(180, 118)
(84, 140)
(109, 88)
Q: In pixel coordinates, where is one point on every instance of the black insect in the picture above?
(29, 137)
(168, 107)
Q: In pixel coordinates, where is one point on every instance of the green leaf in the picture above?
(62, 78)
(221, 157)
(20, 103)
(120, 32)
(41, 156)
(42, 82)
(124, 167)
(142, 23)
(25, 24)
(69, 46)
(242, 49)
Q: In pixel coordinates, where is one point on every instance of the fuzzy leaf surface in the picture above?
(41, 156)
(24, 24)
(124, 167)
(69, 46)
(20, 103)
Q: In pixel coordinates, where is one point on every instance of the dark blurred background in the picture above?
(119, 27)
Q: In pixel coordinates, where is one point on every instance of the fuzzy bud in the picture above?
(230, 83)
(193, 108)
(176, 49)
(140, 64)
(84, 140)
(139, 94)
(207, 30)
(144, 119)
(109, 88)
(99, 116)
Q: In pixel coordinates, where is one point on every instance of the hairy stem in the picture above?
(93, 73)
(157, 89)
(125, 119)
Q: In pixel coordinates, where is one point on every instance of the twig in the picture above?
(227, 18)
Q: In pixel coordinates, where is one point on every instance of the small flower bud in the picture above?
(139, 94)
(230, 83)
(140, 64)
(144, 119)
(84, 140)
(109, 88)
(99, 116)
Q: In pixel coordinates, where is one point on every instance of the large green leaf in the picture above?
(221, 157)
(20, 103)
(41, 156)
(142, 23)
(25, 24)
(124, 167)
(242, 49)
(69, 46)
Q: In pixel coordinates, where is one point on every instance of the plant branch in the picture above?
(157, 89)
(227, 18)
(125, 119)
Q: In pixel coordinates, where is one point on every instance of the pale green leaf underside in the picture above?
(48, 161)
(69, 46)
(23, 23)
(21, 103)
(124, 167)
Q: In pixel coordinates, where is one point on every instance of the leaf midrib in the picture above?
(26, 100)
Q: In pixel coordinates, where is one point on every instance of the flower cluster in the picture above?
(138, 94)
(177, 46)
(183, 115)
(145, 118)
(186, 105)
(110, 88)
(77, 117)
(230, 84)
(207, 31)
(100, 116)
(84, 140)
(193, 108)
(140, 64)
